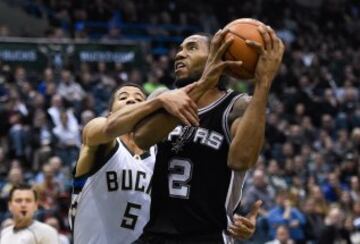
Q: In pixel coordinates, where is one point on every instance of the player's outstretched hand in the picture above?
(270, 55)
(215, 65)
(244, 227)
(179, 104)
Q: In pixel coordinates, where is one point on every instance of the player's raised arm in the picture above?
(164, 122)
(249, 130)
(122, 121)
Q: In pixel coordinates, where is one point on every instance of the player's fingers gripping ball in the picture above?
(241, 30)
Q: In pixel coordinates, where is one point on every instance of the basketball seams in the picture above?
(241, 30)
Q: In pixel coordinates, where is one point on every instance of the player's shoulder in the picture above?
(94, 121)
(7, 230)
(43, 228)
(241, 102)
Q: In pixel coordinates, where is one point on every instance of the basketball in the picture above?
(241, 30)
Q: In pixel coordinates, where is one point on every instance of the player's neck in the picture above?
(128, 139)
(22, 224)
(210, 96)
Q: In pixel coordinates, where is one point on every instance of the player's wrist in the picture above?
(263, 85)
(158, 102)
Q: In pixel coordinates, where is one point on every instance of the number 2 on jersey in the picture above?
(129, 220)
(180, 173)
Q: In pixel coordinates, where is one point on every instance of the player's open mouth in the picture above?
(23, 213)
(179, 65)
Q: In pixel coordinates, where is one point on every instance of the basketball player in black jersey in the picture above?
(199, 170)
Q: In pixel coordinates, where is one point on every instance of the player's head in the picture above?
(126, 94)
(191, 58)
(22, 202)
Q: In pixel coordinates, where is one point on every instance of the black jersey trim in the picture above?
(101, 159)
(215, 103)
(225, 119)
(143, 156)
(78, 183)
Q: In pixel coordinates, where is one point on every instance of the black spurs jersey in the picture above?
(193, 189)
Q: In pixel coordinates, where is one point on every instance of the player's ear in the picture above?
(9, 206)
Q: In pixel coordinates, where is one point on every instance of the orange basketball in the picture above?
(241, 30)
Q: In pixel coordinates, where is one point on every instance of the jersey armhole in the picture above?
(225, 118)
(100, 161)
(101, 158)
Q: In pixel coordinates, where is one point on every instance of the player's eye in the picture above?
(138, 100)
(122, 98)
(193, 48)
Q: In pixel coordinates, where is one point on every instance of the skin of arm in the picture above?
(162, 122)
(248, 131)
(103, 131)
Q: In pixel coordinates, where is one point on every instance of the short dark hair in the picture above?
(121, 86)
(208, 36)
(22, 187)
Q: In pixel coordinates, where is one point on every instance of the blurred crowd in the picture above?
(308, 173)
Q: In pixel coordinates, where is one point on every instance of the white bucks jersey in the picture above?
(111, 205)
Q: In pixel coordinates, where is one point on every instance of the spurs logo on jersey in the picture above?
(200, 135)
(112, 204)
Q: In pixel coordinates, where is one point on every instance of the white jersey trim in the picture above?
(233, 198)
(215, 103)
(225, 119)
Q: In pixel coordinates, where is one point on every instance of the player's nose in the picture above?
(180, 55)
(130, 101)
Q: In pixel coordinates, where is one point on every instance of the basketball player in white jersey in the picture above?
(26, 230)
(111, 201)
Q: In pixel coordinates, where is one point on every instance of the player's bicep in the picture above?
(94, 133)
(237, 112)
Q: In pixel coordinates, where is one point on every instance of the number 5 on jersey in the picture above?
(180, 173)
(130, 219)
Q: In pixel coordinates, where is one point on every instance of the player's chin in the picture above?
(181, 74)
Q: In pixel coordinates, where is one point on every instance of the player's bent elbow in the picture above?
(242, 163)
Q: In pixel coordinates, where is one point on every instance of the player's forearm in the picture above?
(154, 128)
(124, 120)
(162, 122)
(249, 136)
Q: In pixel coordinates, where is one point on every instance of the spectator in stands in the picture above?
(314, 220)
(22, 205)
(284, 213)
(15, 177)
(71, 91)
(282, 236)
(260, 190)
(48, 192)
(68, 140)
(332, 187)
(334, 231)
(54, 222)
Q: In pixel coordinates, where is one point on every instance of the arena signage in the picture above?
(39, 53)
